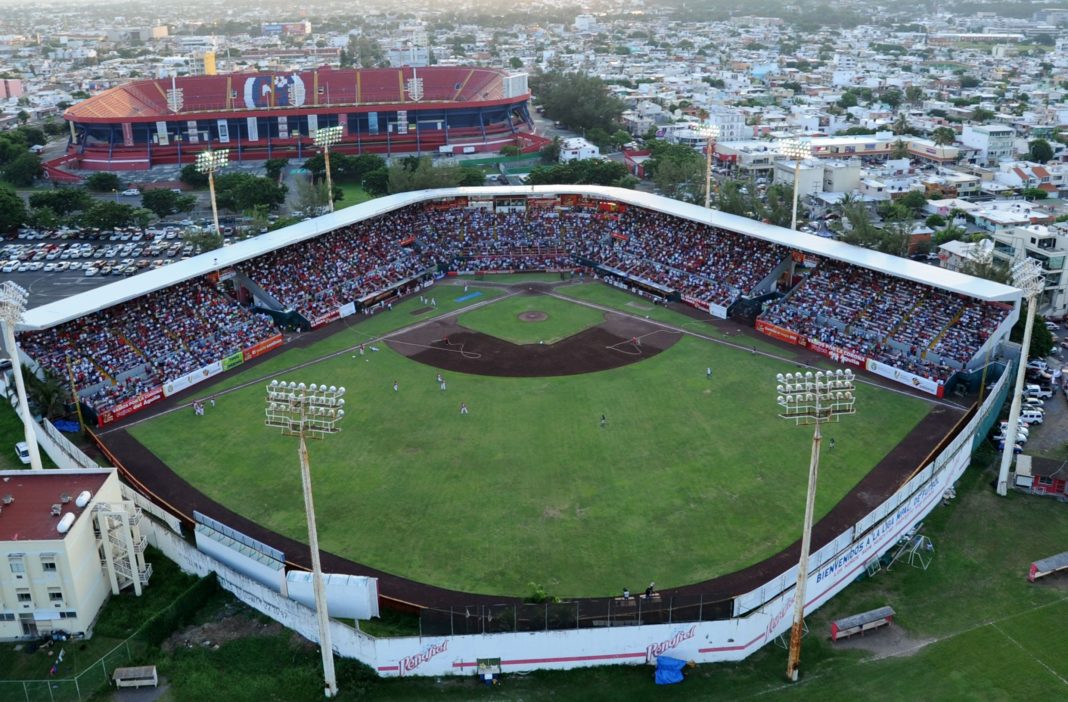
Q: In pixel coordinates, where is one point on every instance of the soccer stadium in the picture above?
(553, 393)
(264, 115)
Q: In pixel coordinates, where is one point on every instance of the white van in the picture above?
(1031, 416)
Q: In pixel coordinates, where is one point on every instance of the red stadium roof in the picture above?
(307, 91)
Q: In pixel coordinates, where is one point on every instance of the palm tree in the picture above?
(901, 124)
(944, 136)
(48, 393)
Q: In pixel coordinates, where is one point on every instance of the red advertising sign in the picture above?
(694, 302)
(262, 347)
(128, 407)
(326, 318)
(836, 353)
(775, 332)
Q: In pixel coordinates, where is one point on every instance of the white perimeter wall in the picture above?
(760, 616)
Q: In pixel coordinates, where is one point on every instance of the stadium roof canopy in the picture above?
(106, 296)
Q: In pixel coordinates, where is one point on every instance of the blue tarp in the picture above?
(669, 670)
(66, 426)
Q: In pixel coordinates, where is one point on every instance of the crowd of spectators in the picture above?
(920, 329)
(128, 349)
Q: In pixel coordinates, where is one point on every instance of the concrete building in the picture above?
(577, 149)
(67, 541)
(1048, 246)
(10, 88)
(809, 176)
(993, 142)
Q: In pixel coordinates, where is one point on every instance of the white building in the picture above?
(585, 23)
(67, 541)
(1049, 247)
(994, 142)
(577, 149)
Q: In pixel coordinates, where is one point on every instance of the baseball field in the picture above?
(688, 476)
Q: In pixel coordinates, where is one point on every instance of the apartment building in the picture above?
(1048, 246)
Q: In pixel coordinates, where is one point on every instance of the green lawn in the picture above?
(12, 432)
(501, 319)
(353, 194)
(529, 488)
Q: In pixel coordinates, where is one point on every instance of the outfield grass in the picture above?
(691, 478)
(501, 319)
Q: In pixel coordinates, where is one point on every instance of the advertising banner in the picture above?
(197, 376)
(326, 318)
(347, 309)
(905, 378)
(836, 353)
(262, 347)
(128, 407)
(235, 359)
(776, 332)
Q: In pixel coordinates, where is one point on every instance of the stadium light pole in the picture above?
(310, 411)
(208, 162)
(797, 150)
(12, 304)
(1026, 275)
(325, 138)
(811, 398)
(710, 132)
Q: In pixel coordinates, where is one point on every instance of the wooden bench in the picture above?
(860, 623)
(139, 676)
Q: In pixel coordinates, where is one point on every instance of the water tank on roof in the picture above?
(83, 499)
(66, 523)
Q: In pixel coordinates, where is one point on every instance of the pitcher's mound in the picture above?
(533, 316)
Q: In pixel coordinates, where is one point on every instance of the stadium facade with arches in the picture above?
(276, 115)
(150, 339)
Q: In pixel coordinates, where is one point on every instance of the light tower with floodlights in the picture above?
(811, 398)
(711, 133)
(209, 162)
(324, 139)
(313, 411)
(798, 151)
(12, 304)
(1026, 275)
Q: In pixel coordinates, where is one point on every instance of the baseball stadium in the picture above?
(553, 394)
(259, 116)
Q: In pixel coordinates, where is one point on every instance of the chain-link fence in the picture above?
(133, 650)
(581, 614)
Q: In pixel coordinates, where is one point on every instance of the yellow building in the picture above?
(67, 541)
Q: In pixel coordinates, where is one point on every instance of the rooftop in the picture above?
(28, 517)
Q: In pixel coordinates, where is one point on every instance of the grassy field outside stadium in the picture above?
(691, 479)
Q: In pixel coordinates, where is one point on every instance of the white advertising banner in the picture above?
(313, 125)
(347, 596)
(920, 383)
(161, 134)
(253, 129)
(224, 131)
(197, 376)
(347, 309)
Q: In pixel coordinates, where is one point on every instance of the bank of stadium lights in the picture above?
(209, 162)
(324, 139)
(710, 133)
(811, 398)
(310, 411)
(12, 304)
(798, 151)
(1028, 276)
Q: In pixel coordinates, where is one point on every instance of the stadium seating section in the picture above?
(125, 350)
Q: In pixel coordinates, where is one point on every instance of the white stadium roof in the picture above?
(106, 296)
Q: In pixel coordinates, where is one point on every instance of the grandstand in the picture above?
(264, 115)
(140, 339)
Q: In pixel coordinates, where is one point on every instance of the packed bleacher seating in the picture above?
(914, 327)
(125, 350)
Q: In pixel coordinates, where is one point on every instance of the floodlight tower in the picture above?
(325, 138)
(313, 411)
(710, 132)
(209, 162)
(798, 151)
(811, 398)
(12, 305)
(1026, 275)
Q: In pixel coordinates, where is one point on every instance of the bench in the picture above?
(1047, 566)
(139, 676)
(860, 623)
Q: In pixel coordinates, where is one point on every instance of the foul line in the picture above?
(752, 349)
(335, 354)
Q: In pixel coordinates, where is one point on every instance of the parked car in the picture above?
(131, 192)
(23, 452)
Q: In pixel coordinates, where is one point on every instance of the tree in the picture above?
(103, 182)
(915, 201)
(48, 394)
(43, 218)
(22, 170)
(515, 62)
(944, 136)
(12, 209)
(1041, 338)
(550, 153)
(274, 167)
(510, 150)
(203, 241)
(936, 220)
(982, 115)
(377, 181)
(23, 116)
(967, 81)
(311, 196)
(62, 201)
(1040, 151)
(579, 100)
(899, 149)
(162, 202)
(192, 177)
(243, 191)
(107, 214)
(585, 172)
(901, 124)
(914, 94)
(892, 97)
(1034, 194)
(848, 99)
